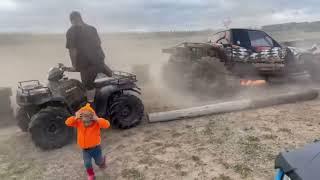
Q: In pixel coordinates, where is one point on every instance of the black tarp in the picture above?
(301, 164)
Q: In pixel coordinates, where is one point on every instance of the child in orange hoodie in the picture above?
(88, 137)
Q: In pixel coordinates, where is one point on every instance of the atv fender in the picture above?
(102, 99)
(55, 102)
(104, 95)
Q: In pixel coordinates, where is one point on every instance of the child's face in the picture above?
(87, 118)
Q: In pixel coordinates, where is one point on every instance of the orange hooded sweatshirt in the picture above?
(88, 137)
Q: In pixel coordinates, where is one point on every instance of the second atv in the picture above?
(43, 109)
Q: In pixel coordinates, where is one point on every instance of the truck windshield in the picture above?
(259, 38)
(251, 39)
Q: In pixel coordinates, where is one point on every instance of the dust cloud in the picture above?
(26, 57)
(30, 56)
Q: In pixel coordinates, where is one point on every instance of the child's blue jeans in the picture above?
(96, 154)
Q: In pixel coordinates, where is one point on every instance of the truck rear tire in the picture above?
(48, 129)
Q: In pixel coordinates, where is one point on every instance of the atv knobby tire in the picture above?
(48, 129)
(126, 111)
(24, 117)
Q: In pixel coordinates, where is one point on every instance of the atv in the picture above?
(43, 109)
(234, 55)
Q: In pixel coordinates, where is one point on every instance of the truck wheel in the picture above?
(126, 111)
(171, 74)
(175, 73)
(210, 78)
(48, 129)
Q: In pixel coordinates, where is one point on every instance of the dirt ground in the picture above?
(239, 145)
(232, 146)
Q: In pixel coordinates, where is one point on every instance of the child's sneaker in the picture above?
(91, 177)
(90, 173)
(103, 165)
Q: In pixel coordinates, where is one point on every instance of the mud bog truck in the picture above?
(236, 57)
(43, 109)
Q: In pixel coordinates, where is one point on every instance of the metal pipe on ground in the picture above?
(232, 106)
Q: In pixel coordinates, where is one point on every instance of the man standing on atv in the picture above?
(86, 53)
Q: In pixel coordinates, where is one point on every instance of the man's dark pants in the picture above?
(89, 74)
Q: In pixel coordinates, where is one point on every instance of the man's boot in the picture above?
(90, 174)
(90, 97)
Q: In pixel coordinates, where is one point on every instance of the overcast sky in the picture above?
(152, 15)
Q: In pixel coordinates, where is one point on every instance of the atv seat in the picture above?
(118, 78)
(103, 81)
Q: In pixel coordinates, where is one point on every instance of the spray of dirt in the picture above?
(160, 97)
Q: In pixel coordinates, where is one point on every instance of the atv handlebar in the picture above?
(67, 69)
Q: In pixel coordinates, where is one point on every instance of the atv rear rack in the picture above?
(120, 77)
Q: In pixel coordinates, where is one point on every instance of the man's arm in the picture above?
(73, 56)
(71, 45)
(98, 40)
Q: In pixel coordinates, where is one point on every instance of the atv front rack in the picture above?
(36, 82)
(27, 87)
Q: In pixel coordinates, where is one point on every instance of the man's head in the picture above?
(75, 18)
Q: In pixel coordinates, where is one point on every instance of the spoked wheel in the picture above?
(48, 129)
(126, 111)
